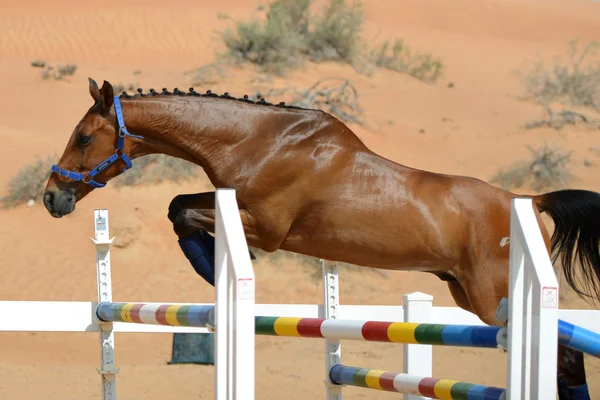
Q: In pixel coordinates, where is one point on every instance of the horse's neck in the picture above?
(200, 130)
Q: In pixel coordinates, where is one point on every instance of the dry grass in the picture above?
(398, 57)
(575, 81)
(545, 170)
(559, 119)
(29, 183)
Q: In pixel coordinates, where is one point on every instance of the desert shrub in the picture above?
(559, 119)
(336, 33)
(275, 44)
(57, 73)
(29, 183)
(397, 56)
(337, 96)
(289, 34)
(546, 169)
(575, 80)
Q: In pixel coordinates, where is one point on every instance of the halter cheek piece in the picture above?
(119, 154)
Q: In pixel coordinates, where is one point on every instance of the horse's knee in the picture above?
(182, 224)
(175, 207)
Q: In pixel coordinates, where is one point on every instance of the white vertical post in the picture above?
(234, 305)
(533, 310)
(223, 328)
(418, 358)
(331, 302)
(102, 241)
(516, 314)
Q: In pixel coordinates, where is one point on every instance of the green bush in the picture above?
(336, 33)
(289, 34)
(576, 80)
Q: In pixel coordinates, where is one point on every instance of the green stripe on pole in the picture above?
(459, 390)
(182, 315)
(360, 377)
(265, 325)
(430, 334)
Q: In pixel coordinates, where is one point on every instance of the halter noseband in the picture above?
(119, 154)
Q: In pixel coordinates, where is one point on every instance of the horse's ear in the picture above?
(107, 96)
(94, 91)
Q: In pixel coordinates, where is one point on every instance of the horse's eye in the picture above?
(84, 140)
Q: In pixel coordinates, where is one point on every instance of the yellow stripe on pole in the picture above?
(372, 378)
(171, 315)
(286, 326)
(443, 389)
(126, 312)
(402, 332)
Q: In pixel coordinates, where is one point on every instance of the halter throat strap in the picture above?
(119, 154)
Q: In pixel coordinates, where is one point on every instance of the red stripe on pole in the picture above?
(375, 331)
(310, 327)
(135, 313)
(161, 314)
(386, 381)
(427, 387)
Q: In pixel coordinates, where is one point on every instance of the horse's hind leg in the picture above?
(571, 380)
(570, 374)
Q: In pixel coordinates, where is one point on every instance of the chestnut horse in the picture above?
(306, 183)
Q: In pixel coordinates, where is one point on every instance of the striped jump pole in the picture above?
(157, 314)
(482, 336)
(376, 331)
(421, 386)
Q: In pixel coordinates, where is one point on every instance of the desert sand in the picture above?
(472, 129)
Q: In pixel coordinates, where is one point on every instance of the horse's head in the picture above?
(95, 153)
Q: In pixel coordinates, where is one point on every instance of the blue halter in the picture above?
(119, 154)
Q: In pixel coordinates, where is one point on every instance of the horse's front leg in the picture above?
(194, 201)
(192, 227)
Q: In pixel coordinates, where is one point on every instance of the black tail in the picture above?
(576, 215)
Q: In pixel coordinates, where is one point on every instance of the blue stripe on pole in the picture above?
(578, 338)
(461, 335)
(198, 315)
(481, 392)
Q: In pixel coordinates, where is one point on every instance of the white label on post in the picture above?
(549, 297)
(245, 289)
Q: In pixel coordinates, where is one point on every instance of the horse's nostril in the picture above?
(48, 200)
(48, 197)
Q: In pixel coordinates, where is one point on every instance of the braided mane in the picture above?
(192, 92)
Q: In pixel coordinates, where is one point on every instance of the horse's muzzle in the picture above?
(59, 202)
